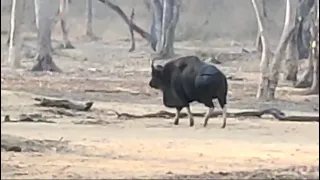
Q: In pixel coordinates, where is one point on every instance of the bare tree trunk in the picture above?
(166, 18)
(44, 58)
(306, 16)
(276, 61)
(89, 14)
(36, 13)
(156, 26)
(315, 50)
(258, 38)
(265, 58)
(23, 8)
(292, 56)
(171, 29)
(169, 21)
(297, 45)
(64, 9)
(306, 79)
(15, 42)
(315, 80)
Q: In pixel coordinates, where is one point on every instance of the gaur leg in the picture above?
(223, 105)
(191, 121)
(176, 118)
(210, 106)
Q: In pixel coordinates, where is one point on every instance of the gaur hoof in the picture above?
(176, 123)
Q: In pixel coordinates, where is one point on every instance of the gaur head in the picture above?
(156, 76)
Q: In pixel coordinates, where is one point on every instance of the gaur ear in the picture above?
(159, 68)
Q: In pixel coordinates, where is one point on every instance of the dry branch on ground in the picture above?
(277, 114)
(116, 90)
(64, 103)
(37, 118)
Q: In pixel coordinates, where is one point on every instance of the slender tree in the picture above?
(44, 19)
(165, 19)
(89, 14)
(270, 65)
(15, 42)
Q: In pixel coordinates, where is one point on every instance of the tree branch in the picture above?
(276, 113)
(136, 28)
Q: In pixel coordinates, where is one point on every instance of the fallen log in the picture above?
(277, 114)
(61, 112)
(36, 118)
(63, 103)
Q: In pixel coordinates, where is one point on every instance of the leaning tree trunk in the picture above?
(266, 55)
(63, 10)
(15, 42)
(258, 38)
(275, 65)
(44, 58)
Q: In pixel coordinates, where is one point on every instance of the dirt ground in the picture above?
(97, 144)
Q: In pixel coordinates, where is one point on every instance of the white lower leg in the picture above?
(207, 116)
(190, 116)
(189, 112)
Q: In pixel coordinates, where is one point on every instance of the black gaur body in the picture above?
(188, 79)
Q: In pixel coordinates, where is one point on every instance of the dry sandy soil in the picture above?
(97, 144)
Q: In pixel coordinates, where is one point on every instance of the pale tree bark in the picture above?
(288, 30)
(23, 9)
(166, 18)
(305, 17)
(165, 35)
(89, 17)
(36, 13)
(266, 54)
(37, 16)
(258, 38)
(63, 10)
(156, 24)
(297, 45)
(44, 57)
(15, 42)
(270, 72)
(308, 76)
(292, 56)
(315, 50)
